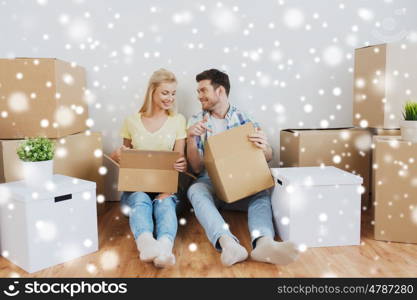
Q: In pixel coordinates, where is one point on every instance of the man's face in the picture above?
(208, 96)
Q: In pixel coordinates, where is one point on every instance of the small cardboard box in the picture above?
(40, 228)
(41, 97)
(384, 79)
(317, 206)
(236, 167)
(395, 190)
(148, 171)
(78, 155)
(346, 148)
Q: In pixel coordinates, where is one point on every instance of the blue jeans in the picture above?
(143, 209)
(206, 207)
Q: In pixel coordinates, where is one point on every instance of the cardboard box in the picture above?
(48, 227)
(317, 206)
(41, 97)
(236, 167)
(346, 148)
(147, 171)
(78, 155)
(395, 186)
(385, 132)
(384, 79)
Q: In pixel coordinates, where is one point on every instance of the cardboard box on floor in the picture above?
(78, 155)
(237, 168)
(395, 186)
(345, 148)
(41, 97)
(147, 171)
(384, 78)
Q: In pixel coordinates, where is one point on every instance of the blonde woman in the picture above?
(155, 127)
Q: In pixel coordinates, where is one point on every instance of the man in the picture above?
(219, 115)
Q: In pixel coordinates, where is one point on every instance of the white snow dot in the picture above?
(102, 170)
(323, 217)
(337, 159)
(285, 220)
(293, 18)
(337, 91)
(192, 247)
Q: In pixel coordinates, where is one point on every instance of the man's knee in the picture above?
(198, 191)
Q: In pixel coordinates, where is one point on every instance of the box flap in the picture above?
(147, 159)
(315, 176)
(230, 141)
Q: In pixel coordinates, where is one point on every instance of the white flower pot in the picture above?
(38, 173)
(409, 131)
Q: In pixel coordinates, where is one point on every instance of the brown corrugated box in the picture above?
(395, 189)
(345, 148)
(384, 78)
(147, 171)
(78, 155)
(236, 167)
(41, 97)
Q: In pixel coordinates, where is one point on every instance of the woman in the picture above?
(155, 127)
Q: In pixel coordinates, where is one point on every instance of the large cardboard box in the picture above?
(384, 78)
(41, 97)
(346, 148)
(236, 167)
(147, 171)
(317, 206)
(78, 155)
(395, 190)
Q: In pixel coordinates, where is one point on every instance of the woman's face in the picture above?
(164, 95)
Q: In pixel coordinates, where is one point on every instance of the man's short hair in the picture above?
(217, 78)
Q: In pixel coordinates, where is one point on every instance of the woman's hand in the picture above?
(181, 164)
(162, 196)
(115, 155)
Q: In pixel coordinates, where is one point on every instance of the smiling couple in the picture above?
(153, 216)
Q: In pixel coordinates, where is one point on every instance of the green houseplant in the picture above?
(37, 156)
(409, 124)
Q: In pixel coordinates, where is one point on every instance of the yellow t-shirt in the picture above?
(163, 139)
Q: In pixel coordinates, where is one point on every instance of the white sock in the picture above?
(147, 246)
(166, 258)
(279, 253)
(232, 251)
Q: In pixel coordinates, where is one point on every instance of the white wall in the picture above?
(284, 58)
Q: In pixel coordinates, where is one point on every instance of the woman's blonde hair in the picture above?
(158, 77)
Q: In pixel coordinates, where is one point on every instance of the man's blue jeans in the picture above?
(206, 207)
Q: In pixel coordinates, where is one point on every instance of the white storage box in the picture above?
(317, 206)
(42, 228)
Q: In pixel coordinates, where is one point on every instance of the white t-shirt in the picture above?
(219, 125)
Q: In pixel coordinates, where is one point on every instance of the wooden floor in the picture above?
(118, 256)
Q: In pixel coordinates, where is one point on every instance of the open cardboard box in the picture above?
(147, 171)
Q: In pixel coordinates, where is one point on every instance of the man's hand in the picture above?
(180, 164)
(198, 128)
(258, 138)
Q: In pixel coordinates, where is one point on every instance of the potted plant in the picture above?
(409, 124)
(37, 156)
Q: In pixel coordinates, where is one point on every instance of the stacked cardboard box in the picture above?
(345, 148)
(395, 190)
(383, 81)
(45, 97)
